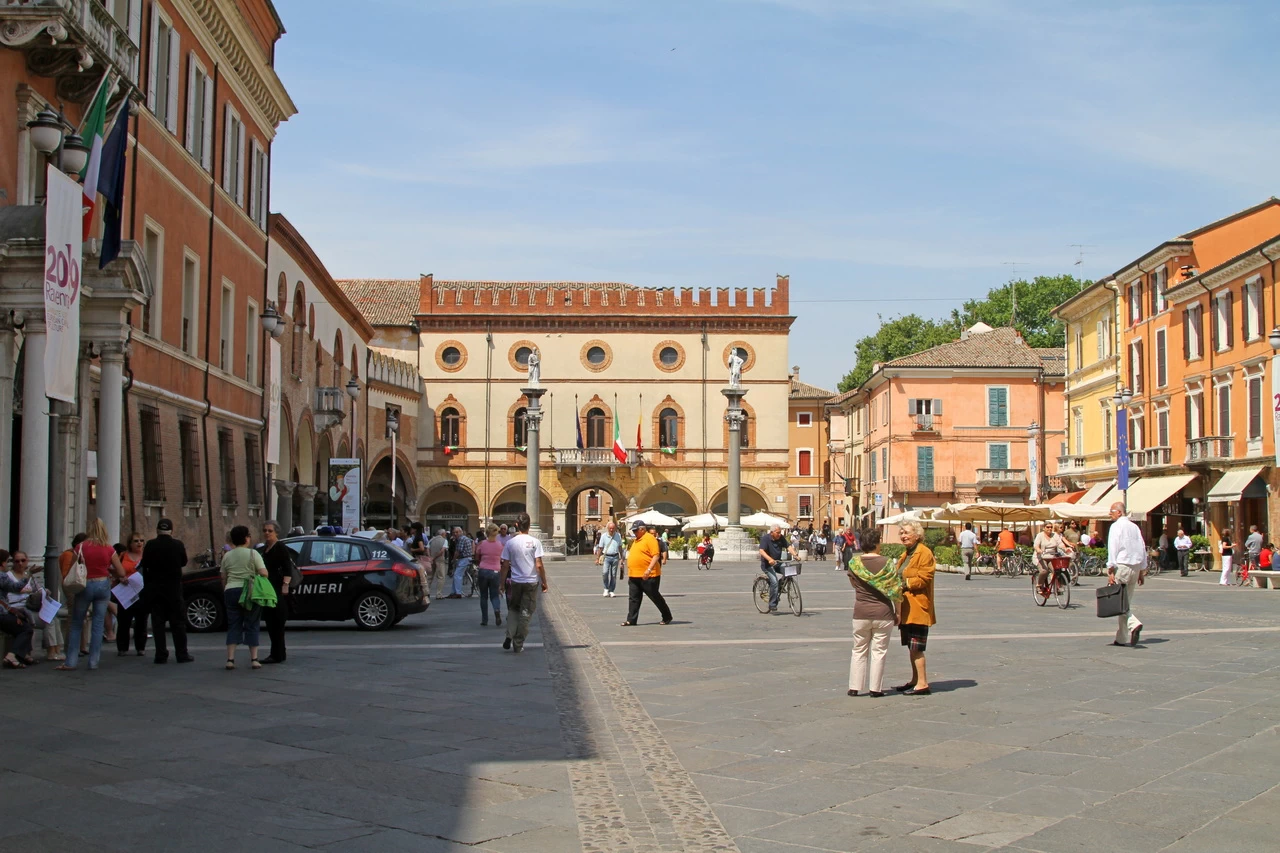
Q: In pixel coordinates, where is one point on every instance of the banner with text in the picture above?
(344, 488)
(63, 221)
(273, 404)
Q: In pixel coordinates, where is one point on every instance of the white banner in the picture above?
(1275, 399)
(344, 488)
(63, 221)
(1033, 470)
(273, 404)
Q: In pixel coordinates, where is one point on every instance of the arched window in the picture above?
(450, 427)
(299, 327)
(745, 429)
(319, 363)
(337, 359)
(595, 428)
(520, 427)
(668, 428)
(355, 362)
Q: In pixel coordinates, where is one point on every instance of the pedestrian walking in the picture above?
(464, 551)
(968, 545)
(162, 560)
(877, 590)
(438, 553)
(133, 617)
(489, 567)
(281, 568)
(916, 613)
(644, 575)
(239, 567)
(1182, 545)
(101, 564)
(1127, 565)
(608, 555)
(523, 572)
(1228, 551)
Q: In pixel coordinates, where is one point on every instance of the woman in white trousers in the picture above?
(874, 616)
(1227, 550)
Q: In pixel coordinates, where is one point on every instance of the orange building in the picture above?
(958, 423)
(810, 463)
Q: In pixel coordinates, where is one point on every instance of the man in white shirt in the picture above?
(1126, 564)
(522, 570)
(1182, 545)
(608, 554)
(968, 543)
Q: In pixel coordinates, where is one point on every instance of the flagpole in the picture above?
(105, 76)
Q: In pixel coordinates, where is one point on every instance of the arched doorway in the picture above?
(589, 508)
(379, 510)
(324, 512)
(751, 500)
(509, 503)
(669, 498)
(446, 505)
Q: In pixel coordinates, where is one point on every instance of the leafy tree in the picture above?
(900, 336)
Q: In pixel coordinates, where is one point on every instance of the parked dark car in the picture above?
(343, 577)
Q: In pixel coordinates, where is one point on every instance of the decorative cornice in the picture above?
(600, 324)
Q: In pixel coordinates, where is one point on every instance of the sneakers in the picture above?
(506, 643)
(604, 594)
(611, 595)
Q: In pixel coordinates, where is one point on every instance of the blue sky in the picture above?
(897, 153)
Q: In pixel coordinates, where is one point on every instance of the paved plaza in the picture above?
(727, 730)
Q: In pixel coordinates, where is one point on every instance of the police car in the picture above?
(343, 577)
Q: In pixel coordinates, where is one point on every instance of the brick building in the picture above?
(809, 467)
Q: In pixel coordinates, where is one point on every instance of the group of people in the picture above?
(1258, 553)
(93, 566)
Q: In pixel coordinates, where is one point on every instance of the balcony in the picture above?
(926, 423)
(1071, 464)
(74, 41)
(330, 407)
(1151, 457)
(593, 457)
(937, 485)
(1002, 478)
(1210, 449)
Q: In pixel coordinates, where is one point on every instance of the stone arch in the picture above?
(337, 358)
(298, 330)
(508, 498)
(344, 448)
(752, 500)
(442, 504)
(380, 510)
(304, 459)
(670, 498)
(455, 438)
(355, 362)
(282, 293)
(607, 427)
(311, 320)
(610, 501)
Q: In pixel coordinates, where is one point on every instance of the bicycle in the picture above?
(788, 585)
(1153, 563)
(1242, 575)
(705, 558)
(1086, 564)
(1018, 563)
(1059, 584)
(470, 581)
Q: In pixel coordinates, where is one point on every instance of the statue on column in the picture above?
(535, 371)
(735, 368)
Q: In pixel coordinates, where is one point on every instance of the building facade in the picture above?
(1093, 379)
(808, 493)
(963, 421)
(643, 365)
(170, 416)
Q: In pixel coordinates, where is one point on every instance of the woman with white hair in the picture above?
(916, 612)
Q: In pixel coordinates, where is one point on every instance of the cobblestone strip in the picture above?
(622, 759)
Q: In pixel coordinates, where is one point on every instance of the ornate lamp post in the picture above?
(393, 430)
(353, 391)
(1122, 399)
(1033, 461)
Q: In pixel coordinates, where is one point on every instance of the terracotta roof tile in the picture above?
(1002, 347)
(1055, 360)
(383, 301)
(805, 391)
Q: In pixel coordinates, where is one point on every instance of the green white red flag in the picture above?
(619, 452)
(93, 132)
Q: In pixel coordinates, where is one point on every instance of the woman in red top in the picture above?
(137, 614)
(101, 563)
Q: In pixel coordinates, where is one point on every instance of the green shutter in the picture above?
(997, 407)
(998, 456)
(924, 468)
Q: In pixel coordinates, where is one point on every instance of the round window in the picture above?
(596, 355)
(451, 356)
(669, 356)
(522, 356)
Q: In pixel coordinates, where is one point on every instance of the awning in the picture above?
(1095, 493)
(1233, 485)
(1149, 492)
(1066, 497)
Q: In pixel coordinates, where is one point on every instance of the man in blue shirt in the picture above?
(609, 554)
(772, 546)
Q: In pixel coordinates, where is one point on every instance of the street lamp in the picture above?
(1122, 399)
(393, 429)
(49, 136)
(270, 319)
(1033, 461)
(353, 391)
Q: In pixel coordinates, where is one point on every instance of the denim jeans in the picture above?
(772, 575)
(459, 572)
(96, 594)
(487, 584)
(609, 573)
(242, 625)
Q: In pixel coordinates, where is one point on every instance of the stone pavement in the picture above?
(725, 731)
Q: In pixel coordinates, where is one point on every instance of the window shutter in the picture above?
(240, 164)
(135, 22)
(1215, 307)
(1141, 360)
(937, 406)
(264, 190)
(998, 456)
(253, 183)
(175, 52)
(207, 92)
(1162, 367)
(227, 142)
(191, 102)
(1255, 408)
(1229, 324)
(1186, 334)
(911, 406)
(153, 71)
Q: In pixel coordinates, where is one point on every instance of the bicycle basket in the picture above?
(790, 569)
(1060, 562)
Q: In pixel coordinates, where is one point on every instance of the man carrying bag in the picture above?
(1126, 570)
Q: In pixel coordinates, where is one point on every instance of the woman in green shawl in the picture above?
(877, 588)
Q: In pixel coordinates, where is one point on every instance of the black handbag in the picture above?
(1113, 600)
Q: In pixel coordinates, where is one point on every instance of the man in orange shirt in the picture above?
(644, 575)
(1005, 546)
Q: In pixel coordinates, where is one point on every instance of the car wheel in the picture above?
(375, 611)
(204, 613)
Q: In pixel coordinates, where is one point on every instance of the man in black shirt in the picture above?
(278, 558)
(772, 546)
(162, 562)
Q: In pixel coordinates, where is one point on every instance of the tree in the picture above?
(1036, 298)
(899, 337)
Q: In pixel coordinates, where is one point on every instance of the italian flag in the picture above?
(669, 450)
(619, 452)
(450, 449)
(95, 124)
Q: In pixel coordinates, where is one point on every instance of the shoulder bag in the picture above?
(77, 576)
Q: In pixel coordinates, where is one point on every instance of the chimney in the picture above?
(795, 372)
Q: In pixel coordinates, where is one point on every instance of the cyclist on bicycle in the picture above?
(1005, 546)
(1253, 546)
(706, 551)
(1048, 545)
(772, 546)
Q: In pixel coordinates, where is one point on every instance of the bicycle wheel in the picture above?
(1092, 566)
(1038, 593)
(1062, 589)
(760, 594)
(1242, 575)
(1153, 565)
(469, 583)
(794, 600)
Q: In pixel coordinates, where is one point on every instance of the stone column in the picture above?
(284, 505)
(110, 440)
(308, 493)
(63, 427)
(33, 524)
(6, 418)
(734, 543)
(533, 487)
